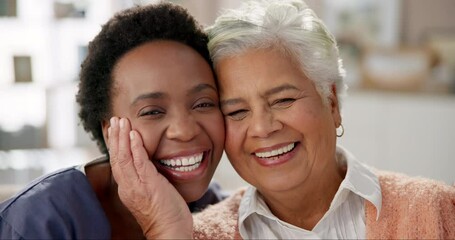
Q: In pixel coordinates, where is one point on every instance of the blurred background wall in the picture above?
(399, 55)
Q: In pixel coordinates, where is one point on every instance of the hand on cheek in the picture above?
(154, 202)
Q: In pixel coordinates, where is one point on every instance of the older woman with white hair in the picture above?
(281, 85)
(281, 82)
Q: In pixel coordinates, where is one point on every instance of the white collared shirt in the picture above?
(345, 218)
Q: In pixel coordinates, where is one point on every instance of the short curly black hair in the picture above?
(124, 31)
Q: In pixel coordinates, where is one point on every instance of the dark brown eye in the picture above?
(152, 112)
(205, 105)
(283, 102)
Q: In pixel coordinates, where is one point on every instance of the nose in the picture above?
(263, 123)
(182, 127)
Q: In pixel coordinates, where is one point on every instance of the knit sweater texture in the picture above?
(412, 208)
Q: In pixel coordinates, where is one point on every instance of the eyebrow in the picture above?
(160, 95)
(269, 92)
(201, 87)
(232, 101)
(281, 88)
(152, 95)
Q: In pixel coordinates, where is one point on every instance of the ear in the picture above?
(105, 124)
(334, 106)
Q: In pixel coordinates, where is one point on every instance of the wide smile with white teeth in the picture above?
(185, 163)
(276, 152)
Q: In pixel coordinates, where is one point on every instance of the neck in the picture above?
(305, 205)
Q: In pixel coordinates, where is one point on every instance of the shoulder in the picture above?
(219, 220)
(44, 186)
(417, 189)
(58, 202)
(413, 207)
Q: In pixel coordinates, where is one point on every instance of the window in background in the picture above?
(22, 117)
(359, 25)
(22, 69)
(8, 8)
(70, 9)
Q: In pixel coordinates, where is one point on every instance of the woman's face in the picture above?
(279, 133)
(167, 91)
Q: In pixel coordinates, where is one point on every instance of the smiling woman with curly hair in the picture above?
(148, 74)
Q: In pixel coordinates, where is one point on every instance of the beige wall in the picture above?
(207, 11)
(423, 17)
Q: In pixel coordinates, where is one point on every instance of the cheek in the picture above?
(234, 148)
(215, 127)
(234, 139)
(314, 125)
(306, 118)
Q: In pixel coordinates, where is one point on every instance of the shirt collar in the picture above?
(250, 204)
(359, 179)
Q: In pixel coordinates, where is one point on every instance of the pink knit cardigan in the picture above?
(412, 208)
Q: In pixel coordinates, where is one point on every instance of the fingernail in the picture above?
(112, 121)
(122, 123)
(131, 135)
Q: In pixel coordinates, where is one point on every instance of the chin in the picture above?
(192, 191)
(277, 184)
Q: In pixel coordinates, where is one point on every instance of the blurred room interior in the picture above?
(399, 56)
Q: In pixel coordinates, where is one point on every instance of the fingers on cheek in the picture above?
(113, 132)
(124, 156)
(136, 147)
(124, 141)
(133, 141)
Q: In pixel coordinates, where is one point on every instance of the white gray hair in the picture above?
(287, 25)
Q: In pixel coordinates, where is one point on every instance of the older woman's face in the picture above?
(279, 133)
(168, 92)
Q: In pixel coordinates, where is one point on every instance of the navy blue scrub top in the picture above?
(63, 205)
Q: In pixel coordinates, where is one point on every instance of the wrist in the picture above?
(182, 229)
(172, 233)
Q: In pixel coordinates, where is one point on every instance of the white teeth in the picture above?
(184, 164)
(275, 152)
(185, 161)
(187, 169)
